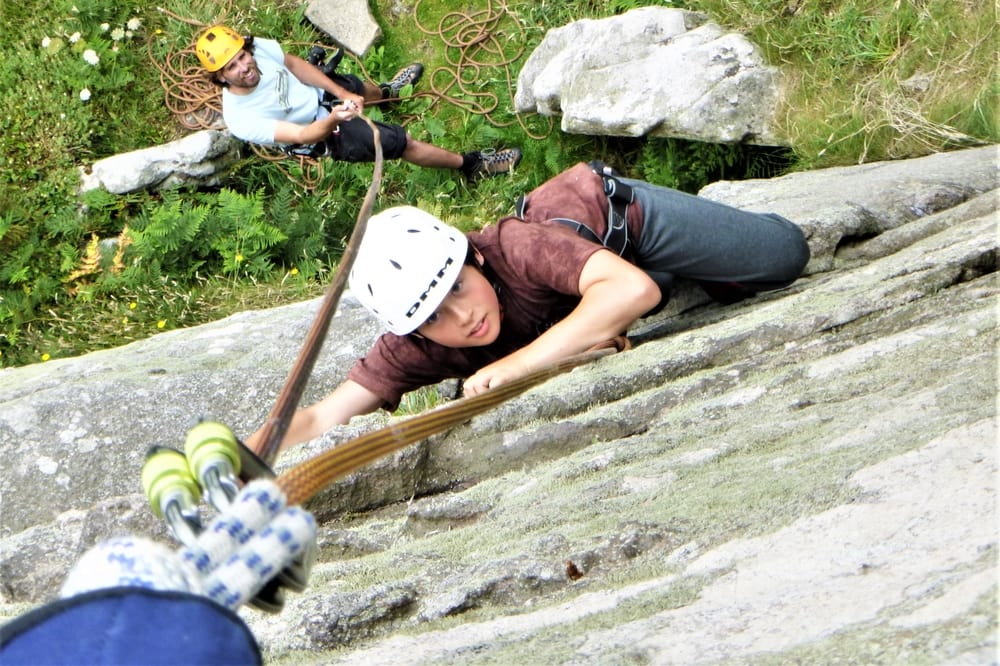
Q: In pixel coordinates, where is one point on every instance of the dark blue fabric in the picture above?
(129, 625)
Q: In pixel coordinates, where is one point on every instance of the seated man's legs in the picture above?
(355, 142)
(373, 92)
(370, 91)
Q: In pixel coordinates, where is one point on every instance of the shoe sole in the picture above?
(416, 77)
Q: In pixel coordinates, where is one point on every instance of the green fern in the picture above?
(170, 235)
(16, 266)
(14, 230)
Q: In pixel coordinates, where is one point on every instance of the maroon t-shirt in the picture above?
(535, 266)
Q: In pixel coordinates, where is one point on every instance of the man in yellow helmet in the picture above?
(273, 98)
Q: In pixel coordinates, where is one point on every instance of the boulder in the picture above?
(653, 71)
(199, 159)
(347, 22)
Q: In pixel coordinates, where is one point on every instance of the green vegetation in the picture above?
(80, 80)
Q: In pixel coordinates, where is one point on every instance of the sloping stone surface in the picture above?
(808, 476)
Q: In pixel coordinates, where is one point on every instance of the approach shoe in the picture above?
(408, 76)
(489, 163)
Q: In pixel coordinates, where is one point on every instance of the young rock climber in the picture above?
(588, 254)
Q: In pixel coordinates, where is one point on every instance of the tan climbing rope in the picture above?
(306, 479)
(477, 48)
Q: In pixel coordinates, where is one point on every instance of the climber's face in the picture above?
(241, 73)
(469, 316)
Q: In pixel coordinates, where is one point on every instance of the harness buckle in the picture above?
(620, 195)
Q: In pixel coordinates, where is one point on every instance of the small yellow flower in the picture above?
(294, 271)
(124, 320)
(45, 356)
(133, 305)
(161, 323)
(239, 257)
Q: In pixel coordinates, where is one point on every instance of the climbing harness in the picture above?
(620, 196)
(320, 149)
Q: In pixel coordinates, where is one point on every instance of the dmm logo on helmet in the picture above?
(434, 282)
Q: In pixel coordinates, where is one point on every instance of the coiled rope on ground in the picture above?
(475, 48)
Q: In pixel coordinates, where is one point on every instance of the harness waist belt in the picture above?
(619, 195)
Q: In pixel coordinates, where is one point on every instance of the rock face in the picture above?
(653, 71)
(805, 477)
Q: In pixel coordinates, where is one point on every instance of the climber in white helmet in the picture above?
(587, 254)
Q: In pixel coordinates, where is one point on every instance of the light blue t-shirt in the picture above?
(278, 96)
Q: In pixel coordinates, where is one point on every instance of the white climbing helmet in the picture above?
(406, 265)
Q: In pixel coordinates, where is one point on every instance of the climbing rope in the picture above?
(274, 428)
(188, 94)
(303, 481)
(214, 459)
(476, 48)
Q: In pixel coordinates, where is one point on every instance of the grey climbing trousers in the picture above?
(685, 236)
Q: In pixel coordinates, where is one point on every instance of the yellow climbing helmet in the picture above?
(217, 46)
